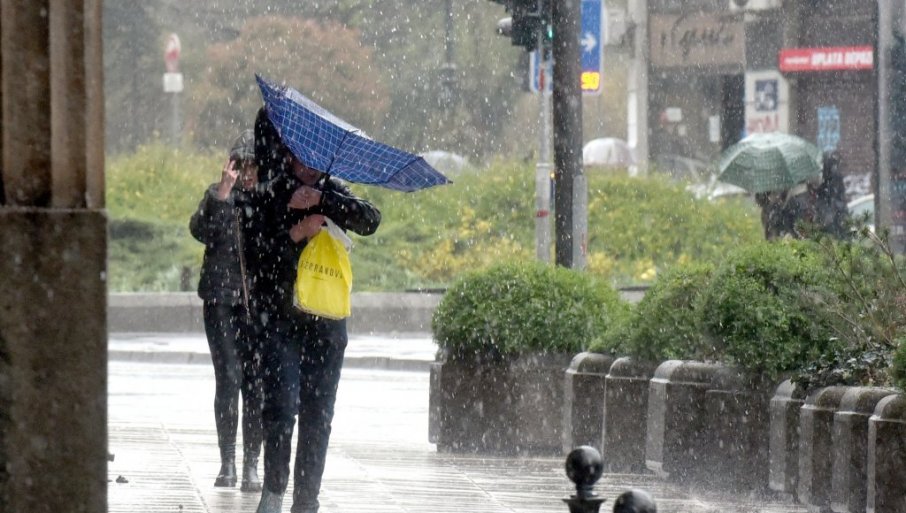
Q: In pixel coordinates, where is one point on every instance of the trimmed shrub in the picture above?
(510, 309)
(663, 326)
(866, 313)
(761, 310)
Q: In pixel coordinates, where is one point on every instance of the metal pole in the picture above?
(543, 167)
(448, 32)
(637, 87)
(571, 192)
(883, 218)
(448, 68)
(174, 119)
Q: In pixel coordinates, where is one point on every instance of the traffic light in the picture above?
(530, 20)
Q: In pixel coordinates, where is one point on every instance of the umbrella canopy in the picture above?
(769, 162)
(607, 151)
(325, 142)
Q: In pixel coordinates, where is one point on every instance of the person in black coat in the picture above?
(832, 213)
(303, 353)
(221, 222)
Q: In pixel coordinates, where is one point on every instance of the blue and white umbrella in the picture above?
(325, 142)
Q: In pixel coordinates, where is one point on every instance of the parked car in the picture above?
(684, 169)
(863, 209)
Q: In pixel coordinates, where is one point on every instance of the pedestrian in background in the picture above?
(220, 222)
(303, 353)
(831, 211)
(784, 211)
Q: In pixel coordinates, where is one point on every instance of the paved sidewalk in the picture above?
(161, 432)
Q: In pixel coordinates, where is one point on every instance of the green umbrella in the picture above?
(769, 162)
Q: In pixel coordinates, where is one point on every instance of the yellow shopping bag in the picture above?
(324, 277)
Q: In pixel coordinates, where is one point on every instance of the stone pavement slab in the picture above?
(161, 432)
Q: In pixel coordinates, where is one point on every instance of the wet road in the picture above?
(161, 432)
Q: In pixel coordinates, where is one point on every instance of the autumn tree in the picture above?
(324, 60)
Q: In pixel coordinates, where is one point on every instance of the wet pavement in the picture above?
(161, 432)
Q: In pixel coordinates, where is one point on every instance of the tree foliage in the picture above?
(324, 60)
(133, 67)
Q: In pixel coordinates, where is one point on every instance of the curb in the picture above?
(352, 362)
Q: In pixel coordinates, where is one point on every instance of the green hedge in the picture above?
(636, 226)
(762, 309)
(664, 325)
(514, 308)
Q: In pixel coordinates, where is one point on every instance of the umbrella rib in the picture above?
(334, 156)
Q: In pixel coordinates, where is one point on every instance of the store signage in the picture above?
(767, 108)
(697, 39)
(827, 59)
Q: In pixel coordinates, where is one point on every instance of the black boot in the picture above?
(270, 502)
(227, 474)
(250, 481)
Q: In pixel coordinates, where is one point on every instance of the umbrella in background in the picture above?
(325, 142)
(446, 162)
(607, 151)
(769, 162)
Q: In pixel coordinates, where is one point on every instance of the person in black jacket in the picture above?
(303, 353)
(832, 214)
(221, 223)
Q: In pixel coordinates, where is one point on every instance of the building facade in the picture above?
(718, 72)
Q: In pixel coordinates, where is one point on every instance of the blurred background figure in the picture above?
(222, 216)
(831, 213)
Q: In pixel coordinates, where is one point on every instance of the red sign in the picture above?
(171, 53)
(827, 59)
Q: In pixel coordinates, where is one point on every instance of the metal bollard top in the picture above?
(634, 501)
(584, 467)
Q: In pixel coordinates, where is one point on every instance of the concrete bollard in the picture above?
(675, 428)
(435, 401)
(886, 486)
(735, 452)
(469, 401)
(583, 400)
(625, 415)
(850, 439)
(537, 402)
(816, 422)
(783, 448)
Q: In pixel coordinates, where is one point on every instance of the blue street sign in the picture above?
(591, 52)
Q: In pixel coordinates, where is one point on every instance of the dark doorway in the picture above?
(733, 110)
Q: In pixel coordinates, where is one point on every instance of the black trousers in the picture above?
(236, 354)
(303, 359)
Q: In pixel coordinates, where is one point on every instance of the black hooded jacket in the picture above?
(218, 225)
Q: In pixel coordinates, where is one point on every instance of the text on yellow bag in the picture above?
(324, 278)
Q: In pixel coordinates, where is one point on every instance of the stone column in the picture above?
(850, 442)
(583, 400)
(626, 415)
(816, 456)
(53, 404)
(783, 462)
(887, 456)
(675, 428)
(735, 452)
